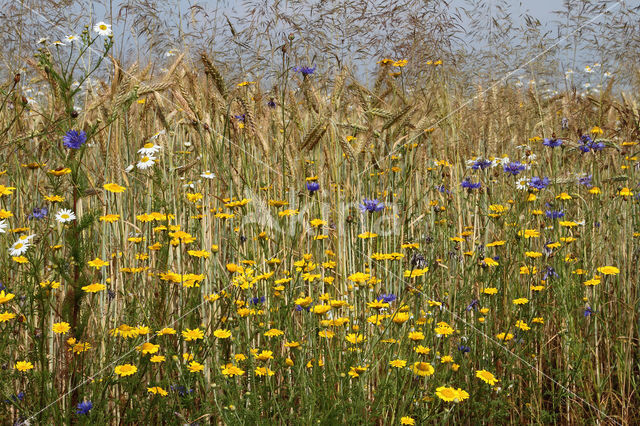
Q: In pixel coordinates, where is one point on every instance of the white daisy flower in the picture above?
(57, 43)
(146, 162)
(3, 226)
(208, 175)
(103, 29)
(65, 215)
(588, 69)
(129, 168)
(522, 184)
(19, 248)
(170, 53)
(160, 133)
(43, 40)
(149, 149)
(71, 38)
(26, 238)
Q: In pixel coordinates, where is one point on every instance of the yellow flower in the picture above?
(422, 368)
(194, 334)
(97, 263)
(61, 327)
(5, 297)
(222, 334)
(273, 333)
(263, 371)
(231, 370)
(23, 366)
(398, 363)
(166, 330)
(592, 282)
(406, 420)
(6, 316)
(563, 196)
(195, 367)
(416, 335)
(158, 391)
(6, 190)
(490, 290)
(608, 270)
(490, 262)
(148, 348)
(505, 337)
(288, 212)
(94, 288)
(533, 254)
(366, 235)
(626, 192)
(114, 187)
(61, 171)
(157, 358)
(111, 218)
(125, 370)
(520, 301)
(450, 394)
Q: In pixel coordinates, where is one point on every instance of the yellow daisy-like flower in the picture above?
(125, 370)
(490, 290)
(288, 212)
(450, 394)
(157, 390)
(423, 369)
(626, 192)
(157, 359)
(416, 336)
(6, 190)
(274, 332)
(520, 301)
(222, 334)
(406, 420)
(61, 327)
(61, 171)
(5, 297)
(94, 288)
(111, 218)
(23, 366)
(97, 263)
(6, 316)
(148, 348)
(114, 187)
(398, 363)
(608, 270)
(194, 334)
(195, 367)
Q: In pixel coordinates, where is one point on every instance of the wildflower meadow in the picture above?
(184, 245)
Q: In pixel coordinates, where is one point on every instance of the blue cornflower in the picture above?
(271, 103)
(39, 213)
(554, 214)
(539, 183)
(371, 206)
(313, 186)
(470, 185)
(550, 273)
(15, 398)
(473, 305)
(464, 349)
(552, 142)
(84, 407)
(387, 298)
(481, 164)
(514, 167)
(588, 312)
(586, 181)
(240, 118)
(257, 300)
(305, 71)
(74, 139)
(443, 189)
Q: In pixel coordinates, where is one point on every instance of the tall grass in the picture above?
(240, 253)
